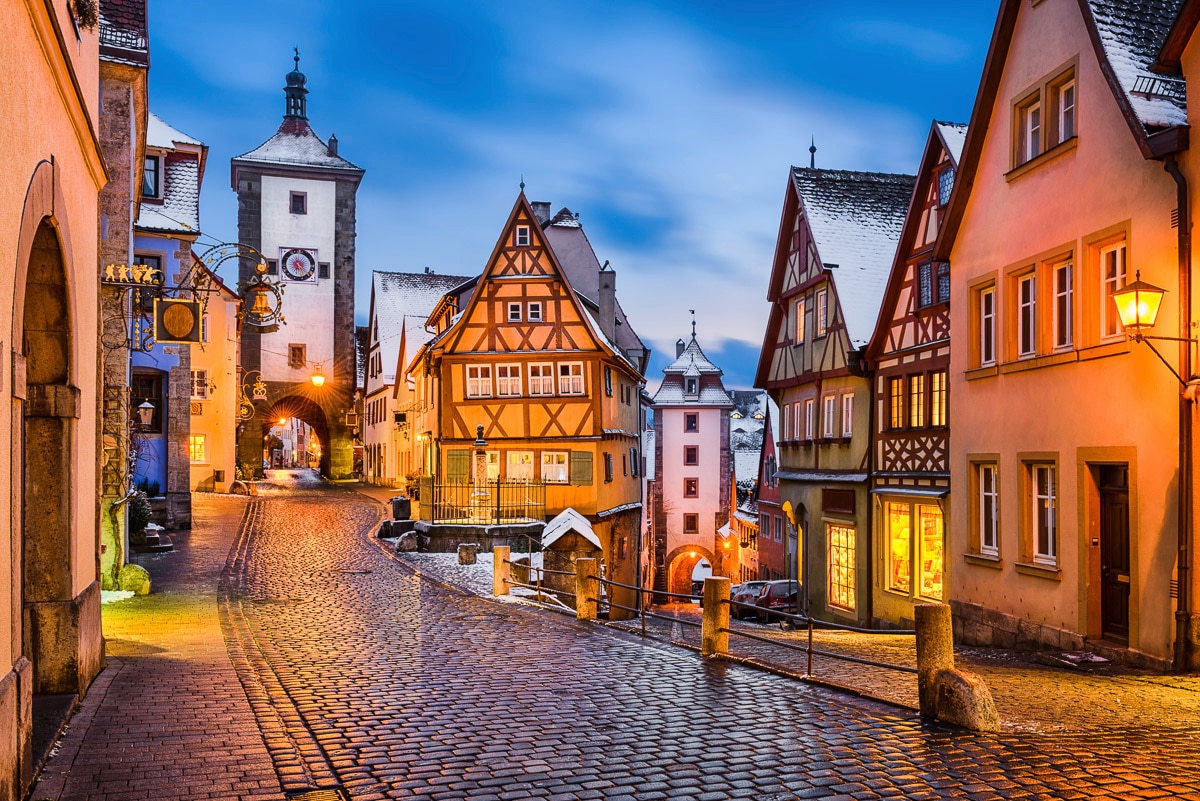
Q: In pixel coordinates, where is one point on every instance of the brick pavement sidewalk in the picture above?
(1030, 696)
(167, 718)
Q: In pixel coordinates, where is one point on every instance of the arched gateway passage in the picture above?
(680, 564)
(309, 412)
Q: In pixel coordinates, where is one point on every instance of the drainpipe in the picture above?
(1184, 647)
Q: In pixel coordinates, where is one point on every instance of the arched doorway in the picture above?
(308, 411)
(46, 487)
(681, 563)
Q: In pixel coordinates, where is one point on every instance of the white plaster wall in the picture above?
(706, 506)
(307, 307)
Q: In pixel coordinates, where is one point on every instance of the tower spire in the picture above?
(693, 311)
(294, 91)
(812, 154)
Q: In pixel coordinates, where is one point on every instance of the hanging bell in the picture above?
(261, 307)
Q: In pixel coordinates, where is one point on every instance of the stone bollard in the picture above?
(467, 551)
(935, 652)
(500, 570)
(713, 640)
(963, 699)
(587, 589)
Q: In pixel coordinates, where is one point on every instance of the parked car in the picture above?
(781, 595)
(745, 593)
(698, 590)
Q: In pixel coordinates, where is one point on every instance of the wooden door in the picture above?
(1114, 552)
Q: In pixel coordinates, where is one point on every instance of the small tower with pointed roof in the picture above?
(690, 499)
(296, 205)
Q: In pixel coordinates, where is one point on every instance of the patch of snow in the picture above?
(112, 596)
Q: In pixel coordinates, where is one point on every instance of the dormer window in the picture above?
(522, 237)
(152, 177)
(691, 386)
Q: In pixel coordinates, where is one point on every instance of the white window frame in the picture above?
(987, 326)
(1064, 304)
(521, 238)
(1066, 110)
(204, 328)
(987, 478)
(847, 415)
(541, 379)
(508, 380)
(570, 378)
(479, 381)
(514, 312)
(810, 413)
(822, 321)
(788, 411)
(200, 385)
(1027, 315)
(517, 468)
(158, 173)
(1043, 528)
(533, 311)
(556, 467)
(828, 409)
(1111, 281)
(1031, 129)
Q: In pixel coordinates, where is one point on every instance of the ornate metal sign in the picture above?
(262, 295)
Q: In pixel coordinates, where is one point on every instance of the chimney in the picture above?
(541, 210)
(608, 304)
(332, 144)
(678, 348)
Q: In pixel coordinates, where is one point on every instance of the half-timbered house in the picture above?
(909, 356)
(524, 388)
(837, 238)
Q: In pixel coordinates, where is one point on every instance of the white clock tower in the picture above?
(296, 205)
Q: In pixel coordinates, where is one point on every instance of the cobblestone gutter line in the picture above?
(300, 762)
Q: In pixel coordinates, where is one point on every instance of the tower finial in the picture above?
(522, 183)
(812, 154)
(693, 311)
(294, 91)
(296, 57)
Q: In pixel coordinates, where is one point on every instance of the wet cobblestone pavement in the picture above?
(367, 677)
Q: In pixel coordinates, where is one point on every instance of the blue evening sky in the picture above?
(669, 126)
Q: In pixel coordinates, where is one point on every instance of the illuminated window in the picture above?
(799, 321)
(570, 378)
(842, 570)
(479, 380)
(822, 312)
(916, 400)
(519, 465)
(555, 466)
(197, 448)
(896, 403)
(938, 408)
(931, 552)
(899, 547)
(492, 460)
(541, 379)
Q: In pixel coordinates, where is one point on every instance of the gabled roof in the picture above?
(855, 219)
(566, 521)
(296, 145)
(159, 134)
(182, 173)
(400, 304)
(692, 363)
(941, 135)
(1127, 36)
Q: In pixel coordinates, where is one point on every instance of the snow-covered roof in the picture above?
(954, 134)
(296, 145)
(692, 358)
(855, 219)
(402, 303)
(692, 363)
(159, 134)
(1131, 32)
(566, 521)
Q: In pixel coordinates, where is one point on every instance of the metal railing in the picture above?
(493, 503)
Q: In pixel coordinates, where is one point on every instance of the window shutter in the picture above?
(581, 468)
(458, 466)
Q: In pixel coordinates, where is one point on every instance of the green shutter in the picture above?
(581, 468)
(458, 466)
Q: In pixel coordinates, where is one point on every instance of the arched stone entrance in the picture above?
(307, 411)
(680, 564)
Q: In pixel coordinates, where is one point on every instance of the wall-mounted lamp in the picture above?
(1137, 305)
(145, 413)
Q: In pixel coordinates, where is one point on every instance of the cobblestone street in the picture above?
(363, 675)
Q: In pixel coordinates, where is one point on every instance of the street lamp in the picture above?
(318, 377)
(145, 413)
(1138, 304)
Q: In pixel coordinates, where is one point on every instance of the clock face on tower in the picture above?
(296, 264)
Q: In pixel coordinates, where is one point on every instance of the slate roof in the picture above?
(123, 32)
(692, 363)
(954, 135)
(402, 303)
(1131, 32)
(179, 211)
(855, 219)
(296, 145)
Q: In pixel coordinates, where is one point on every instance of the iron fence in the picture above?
(493, 503)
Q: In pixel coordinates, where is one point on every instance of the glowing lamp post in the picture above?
(1138, 304)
